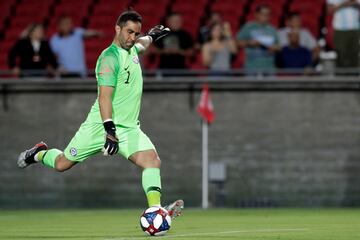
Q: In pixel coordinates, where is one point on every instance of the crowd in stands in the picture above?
(217, 46)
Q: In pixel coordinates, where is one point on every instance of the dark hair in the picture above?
(31, 28)
(261, 7)
(292, 15)
(63, 17)
(211, 28)
(171, 14)
(128, 16)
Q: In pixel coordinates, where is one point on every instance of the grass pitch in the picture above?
(248, 224)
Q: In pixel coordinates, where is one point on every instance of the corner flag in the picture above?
(206, 111)
(205, 107)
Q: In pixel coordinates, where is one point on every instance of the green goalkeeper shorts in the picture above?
(90, 139)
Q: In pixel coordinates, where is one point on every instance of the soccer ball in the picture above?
(155, 221)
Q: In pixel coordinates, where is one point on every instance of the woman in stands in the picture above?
(31, 54)
(217, 51)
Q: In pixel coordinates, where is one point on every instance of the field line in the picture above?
(217, 233)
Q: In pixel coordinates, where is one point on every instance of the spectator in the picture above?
(260, 40)
(68, 46)
(346, 31)
(216, 52)
(295, 56)
(307, 40)
(33, 54)
(176, 46)
(204, 32)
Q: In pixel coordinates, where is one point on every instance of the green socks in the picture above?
(48, 157)
(151, 182)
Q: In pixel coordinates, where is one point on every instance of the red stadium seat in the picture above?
(91, 58)
(311, 9)
(33, 7)
(5, 47)
(191, 2)
(197, 64)
(5, 9)
(229, 14)
(239, 59)
(23, 22)
(76, 10)
(3, 61)
(150, 61)
(103, 8)
(14, 33)
(19, 13)
(312, 24)
(225, 9)
(330, 32)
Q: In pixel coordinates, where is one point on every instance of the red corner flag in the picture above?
(205, 107)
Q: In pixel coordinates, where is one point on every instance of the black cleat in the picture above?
(27, 157)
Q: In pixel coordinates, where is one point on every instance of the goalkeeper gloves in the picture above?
(111, 145)
(158, 32)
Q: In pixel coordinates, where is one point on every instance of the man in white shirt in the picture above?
(346, 31)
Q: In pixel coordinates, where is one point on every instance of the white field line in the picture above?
(217, 233)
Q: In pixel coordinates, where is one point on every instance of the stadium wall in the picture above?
(280, 147)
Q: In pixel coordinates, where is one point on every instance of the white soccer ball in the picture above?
(155, 221)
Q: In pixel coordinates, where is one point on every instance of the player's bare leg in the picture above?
(146, 159)
(39, 153)
(62, 163)
(150, 162)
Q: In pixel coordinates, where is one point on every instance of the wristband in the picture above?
(110, 127)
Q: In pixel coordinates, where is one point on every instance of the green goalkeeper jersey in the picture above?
(120, 68)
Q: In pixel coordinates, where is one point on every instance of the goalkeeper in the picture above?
(115, 113)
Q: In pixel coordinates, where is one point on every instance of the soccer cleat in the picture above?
(174, 209)
(27, 157)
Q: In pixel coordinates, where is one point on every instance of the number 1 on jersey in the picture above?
(128, 76)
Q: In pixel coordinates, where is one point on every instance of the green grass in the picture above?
(274, 224)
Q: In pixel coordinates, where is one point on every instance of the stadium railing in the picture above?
(258, 74)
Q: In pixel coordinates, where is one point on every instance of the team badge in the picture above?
(73, 151)
(135, 59)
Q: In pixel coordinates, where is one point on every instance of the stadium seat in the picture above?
(197, 63)
(25, 21)
(5, 47)
(6, 7)
(33, 7)
(24, 13)
(309, 9)
(149, 61)
(103, 8)
(228, 12)
(329, 32)
(312, 24)
(74, 9)
(3, 61)
(98, 14)
(91, 58)
(239, 59)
